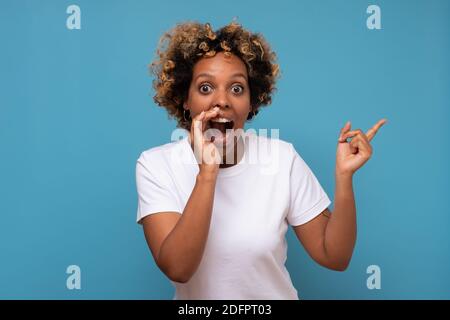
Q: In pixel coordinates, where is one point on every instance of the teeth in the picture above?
(222, 120)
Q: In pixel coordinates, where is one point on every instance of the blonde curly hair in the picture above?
(181, 47)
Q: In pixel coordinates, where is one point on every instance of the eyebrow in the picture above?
(208, 75)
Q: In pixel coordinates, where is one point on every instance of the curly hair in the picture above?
(181, 47)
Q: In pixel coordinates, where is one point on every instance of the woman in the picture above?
(216, 224)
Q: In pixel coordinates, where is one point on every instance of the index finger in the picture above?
(197, 126)
(372, 131)
(198, 123)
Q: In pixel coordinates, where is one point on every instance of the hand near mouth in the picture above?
(206, 153)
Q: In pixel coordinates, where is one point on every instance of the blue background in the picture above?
(76, 110)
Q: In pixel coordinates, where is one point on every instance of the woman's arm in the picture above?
(177, 241)
(330, 238)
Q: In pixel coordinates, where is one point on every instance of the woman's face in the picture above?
(220, 81)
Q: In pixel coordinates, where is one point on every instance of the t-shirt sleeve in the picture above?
(154, 189)
(307, 197)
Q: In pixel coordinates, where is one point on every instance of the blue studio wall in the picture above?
(76, 110)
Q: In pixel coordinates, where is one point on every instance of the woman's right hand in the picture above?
(206, 153)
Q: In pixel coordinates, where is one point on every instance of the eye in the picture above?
(239, 88)
(204, 88)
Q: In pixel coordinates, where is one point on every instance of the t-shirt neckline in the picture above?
(225, 172)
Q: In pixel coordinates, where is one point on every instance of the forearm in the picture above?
(182, 250)
(340, 232)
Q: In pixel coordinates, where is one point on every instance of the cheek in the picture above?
(244, 108)
(196, 102)
(243, 114)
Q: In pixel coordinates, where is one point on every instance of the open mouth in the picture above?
(221, 124)
(224, 126)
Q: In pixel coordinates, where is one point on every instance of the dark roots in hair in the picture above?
(181, 47)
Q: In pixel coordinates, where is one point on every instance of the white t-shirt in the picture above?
(254, 202)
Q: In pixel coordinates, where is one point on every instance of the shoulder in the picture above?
(162, 155)
(161, 151)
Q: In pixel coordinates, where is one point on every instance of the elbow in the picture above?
(335, 264)
(174, 270)
(176, 274)
(178, 277)
(340, 266)
(337, 261)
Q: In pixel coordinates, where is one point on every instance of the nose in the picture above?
(221, 101)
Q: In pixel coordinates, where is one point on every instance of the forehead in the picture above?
(220, 66)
